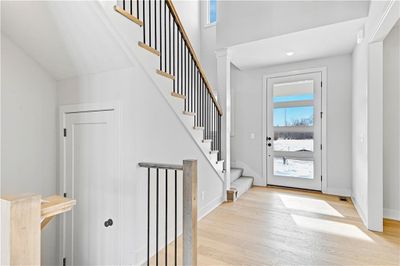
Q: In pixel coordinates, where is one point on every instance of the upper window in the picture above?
(212, 11)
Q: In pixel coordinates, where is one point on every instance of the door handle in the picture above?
(269, 144)
(108, 223)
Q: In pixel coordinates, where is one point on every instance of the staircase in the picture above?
(240, 183)
(162, 47)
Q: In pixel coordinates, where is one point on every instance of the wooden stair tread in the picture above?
(189, 113)
(149, 48)
(128, 15)
(180, 96)
(165, 74)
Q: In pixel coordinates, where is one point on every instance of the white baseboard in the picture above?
(338, 191)
(359, 211)
(391, 214)
(213, 204)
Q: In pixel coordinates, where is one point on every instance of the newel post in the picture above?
(190, 212)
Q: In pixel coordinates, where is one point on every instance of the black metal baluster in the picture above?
(157, 199)
(149, 22)
(161, 50)
(137, 9)
(176, 218)
(144, 21)
(130, 6)
(166, 217)
(123, 4)
(165, 36)
(169, 43)
(148, 216)
(173, 55)
(155, 24)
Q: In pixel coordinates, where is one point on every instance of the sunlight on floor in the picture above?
(309, 205)
(330, 227)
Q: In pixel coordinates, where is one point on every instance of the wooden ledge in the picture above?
(149, 48)
(177, 95)
(128, 15)
(189, 113)
(165, 74)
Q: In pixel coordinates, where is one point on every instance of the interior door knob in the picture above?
(269, 144)
(108, 223)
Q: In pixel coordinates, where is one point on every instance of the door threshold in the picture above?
(295, 189)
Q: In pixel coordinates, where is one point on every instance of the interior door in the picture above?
(294, 131)
(91, 229)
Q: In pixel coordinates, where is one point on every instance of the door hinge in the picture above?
(321, 114)
(65, 132)
(321, 84)
(321, 177)
(321, 146)
(64, 261)
(65, 194)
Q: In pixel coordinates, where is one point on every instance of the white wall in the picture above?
(391, 124)
(366, 188)
(189, 13)
(150, 131)
(247, 89)
(28, 132)
(244, 21)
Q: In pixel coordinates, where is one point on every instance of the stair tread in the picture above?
(236, 173)
(242, 184)
(128, 15)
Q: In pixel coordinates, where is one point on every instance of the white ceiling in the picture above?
(65, 37)
(334, 39)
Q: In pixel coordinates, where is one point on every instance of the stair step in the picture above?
(198, 128)
(165, 74)
(236, 173)
(207, 140)
(149, 48)
(189, 113)
(220, 161)
(214, 151)
(242, 184)
(128, 15)
(177, 95)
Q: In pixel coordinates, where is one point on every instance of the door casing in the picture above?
(264, 155)
(85, 108)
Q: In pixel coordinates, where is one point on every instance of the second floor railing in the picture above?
(164, 33)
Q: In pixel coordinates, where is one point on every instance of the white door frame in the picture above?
(323, 71)
(85, 108)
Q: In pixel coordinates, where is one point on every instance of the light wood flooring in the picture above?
(274, 226)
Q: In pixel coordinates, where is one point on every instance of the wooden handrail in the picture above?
(193, 53)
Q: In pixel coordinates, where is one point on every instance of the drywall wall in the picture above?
(189, 13)
(244, 21)
(28, 132)
(150, 131)
(391, 124)
(247, 88)
(366, 186)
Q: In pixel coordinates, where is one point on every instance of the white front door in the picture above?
(294, 131)
(90, 234)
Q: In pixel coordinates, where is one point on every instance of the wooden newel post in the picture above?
(190, 212)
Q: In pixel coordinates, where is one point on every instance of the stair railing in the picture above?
(189, 210)
(164, 34)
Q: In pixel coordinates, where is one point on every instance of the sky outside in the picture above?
(286, 116)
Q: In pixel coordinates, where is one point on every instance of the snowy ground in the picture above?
(293, 167)
(293, 144)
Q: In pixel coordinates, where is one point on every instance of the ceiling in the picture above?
(334, 39)
(65, 37)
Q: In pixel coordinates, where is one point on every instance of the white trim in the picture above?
(391, 214)
(87, 107)
(208, 23)
(345, 192)
(323, 71)
(359, 210)
(212, 205)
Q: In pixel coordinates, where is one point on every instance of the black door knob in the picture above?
(269, 144)
(108, 223)
(269, 138)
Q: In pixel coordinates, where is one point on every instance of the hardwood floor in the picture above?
(273, 226)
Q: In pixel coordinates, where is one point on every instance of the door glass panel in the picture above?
(294, 116)
(294, 91)
(293, 168)
(294, 141)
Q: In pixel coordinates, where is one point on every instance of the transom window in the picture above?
(212, 12)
